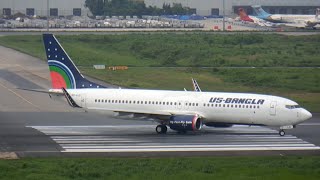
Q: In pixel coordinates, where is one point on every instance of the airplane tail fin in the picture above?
(243, 15)
(259, 11)
(63, 72)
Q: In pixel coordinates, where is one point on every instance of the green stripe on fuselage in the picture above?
(62, 73)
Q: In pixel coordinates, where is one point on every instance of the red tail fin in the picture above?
(243, 15)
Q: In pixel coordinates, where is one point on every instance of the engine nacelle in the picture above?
(218, 125)
(185, 123)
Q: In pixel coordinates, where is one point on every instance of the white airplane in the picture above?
(295, 20)
(179, 110)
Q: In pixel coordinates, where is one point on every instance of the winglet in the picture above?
(196, 87)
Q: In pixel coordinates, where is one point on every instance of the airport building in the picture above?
(201, 7)
(39, 7)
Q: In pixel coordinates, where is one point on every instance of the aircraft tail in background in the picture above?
(243, 15)
(260, 12)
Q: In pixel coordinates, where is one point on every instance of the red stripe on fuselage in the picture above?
(57, 80)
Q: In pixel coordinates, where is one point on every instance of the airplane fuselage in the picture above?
(233, 108)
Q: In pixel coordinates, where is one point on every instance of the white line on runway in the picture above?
(192, 149)
(71, 139)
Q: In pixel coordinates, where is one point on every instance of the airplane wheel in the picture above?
(161, 129)
(281, 132)
(164, 129)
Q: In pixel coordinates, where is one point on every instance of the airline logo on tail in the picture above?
(61, 75)
(63, 72)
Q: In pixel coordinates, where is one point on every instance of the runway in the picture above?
(32, 124)
(111, 139)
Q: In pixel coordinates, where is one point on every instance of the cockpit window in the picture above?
(292, 106)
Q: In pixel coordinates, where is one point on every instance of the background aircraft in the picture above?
(294, 20)
(253, 19)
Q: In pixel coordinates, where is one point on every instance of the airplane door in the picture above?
(273, 106)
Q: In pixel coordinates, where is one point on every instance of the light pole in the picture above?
(48, 15)
(223, 23)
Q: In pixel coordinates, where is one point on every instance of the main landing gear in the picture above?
(161, 129)
(281, 132)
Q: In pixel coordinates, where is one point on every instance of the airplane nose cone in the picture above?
(305, 115)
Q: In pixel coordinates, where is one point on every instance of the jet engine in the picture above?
(185, 123)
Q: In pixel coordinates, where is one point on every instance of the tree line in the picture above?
(133, 8)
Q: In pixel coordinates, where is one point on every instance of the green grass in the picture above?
(197, 49)
(290, 167)
(148, 50)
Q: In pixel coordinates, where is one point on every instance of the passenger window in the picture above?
(171, 103)
(175, 103)
(232, 106)
(196, 104)
(223, 105)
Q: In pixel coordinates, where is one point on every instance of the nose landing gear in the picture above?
(281, 132)
(282, 128)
